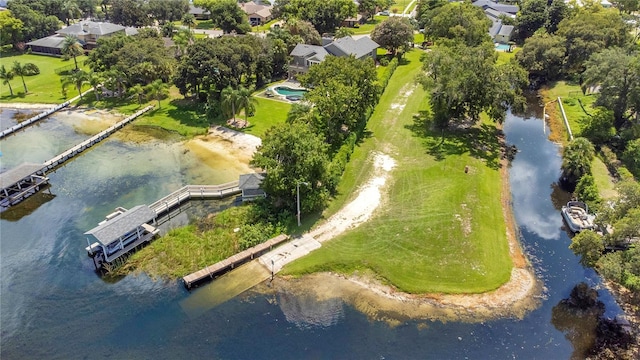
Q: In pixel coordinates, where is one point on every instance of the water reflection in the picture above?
(534, 211)
(28, 206)
(306, 311)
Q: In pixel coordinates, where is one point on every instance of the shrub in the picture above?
(599, 127)
(384, 61)
(631, 157)
(587, 191)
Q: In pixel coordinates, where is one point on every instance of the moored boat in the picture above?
(576, 215)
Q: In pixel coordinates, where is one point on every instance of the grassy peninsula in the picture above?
(438, 228)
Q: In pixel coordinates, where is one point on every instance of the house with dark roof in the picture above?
(304, 55)
(87, 33)
(495, 12)
(199, 13)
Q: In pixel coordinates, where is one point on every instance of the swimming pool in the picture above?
(503, 47)
(286, 91)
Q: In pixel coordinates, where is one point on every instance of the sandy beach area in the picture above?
(25, 106)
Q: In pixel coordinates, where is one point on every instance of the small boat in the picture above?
(576, 215)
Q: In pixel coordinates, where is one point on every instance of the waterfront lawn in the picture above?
(43, 88)
(603, 179)
(438, 229)
(571, 96)
(268, 113)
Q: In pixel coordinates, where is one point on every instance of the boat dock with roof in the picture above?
(122, 231)
(21, 182)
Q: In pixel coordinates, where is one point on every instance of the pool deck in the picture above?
(286, 83)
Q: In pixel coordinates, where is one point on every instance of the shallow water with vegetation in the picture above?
(53, 305)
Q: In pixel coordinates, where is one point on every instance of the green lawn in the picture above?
(571, 96)
(603, 180)
(268, 113)
(399, 6)
(43, 88)
(367, 27)
(505, 57)
(440, 229)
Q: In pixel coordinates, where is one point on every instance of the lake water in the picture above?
(54, 306)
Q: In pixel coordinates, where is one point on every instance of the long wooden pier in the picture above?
(40, 116)
(32, 120)
(231, 262)
(62, 158)
(189, 192)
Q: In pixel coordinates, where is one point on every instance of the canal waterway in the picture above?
(54, 306)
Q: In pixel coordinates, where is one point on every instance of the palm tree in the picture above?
(19, 69)
(118, 80)
(157, 90)
(246, 101)
(76, 78)
(576, 159)
(6, 76)
(72, 47)
(188, 20)
(138, 91)
(182, 39)
(95, 79)
(229, 100)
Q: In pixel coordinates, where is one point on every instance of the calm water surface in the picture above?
(53, 306)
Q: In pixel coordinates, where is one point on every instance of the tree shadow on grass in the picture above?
(481, 141)
(189, 112)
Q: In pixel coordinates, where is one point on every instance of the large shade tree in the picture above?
(543, 56)
(325, 15)
(465, 81)
(226, 14)
(292, 154)
(617, 73)
(459, 22)
(393, 34)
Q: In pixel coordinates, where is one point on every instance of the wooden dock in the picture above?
(231, 262)
(189, 192)
(40, 116)
(65, 156)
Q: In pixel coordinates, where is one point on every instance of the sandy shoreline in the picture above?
(26, 106)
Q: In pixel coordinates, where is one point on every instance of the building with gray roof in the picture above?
(303, 55)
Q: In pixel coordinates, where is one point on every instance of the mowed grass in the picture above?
(45, 87)
(603, 179)
(438, 229)
(571, 96)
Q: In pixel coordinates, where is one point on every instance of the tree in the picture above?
(19, 70)
(531, 17)
(394, 33)
(304, 30)
(188, 20)
(587, 191)
(368, 8)
(576, 159)
(557, 11)
(157, 90)
(325, 15)
(226, 14)
(589, 32)
(229, 101)
(10, 28)
(95, 79)
(291, 154)
(631, 156)
(459, 22)
(465, 81)
(543, 57)
(76, 78)
(343, 32)
(598, 128)
(426, 10)
(129, 13)
(246, 101)
(589, 246)
(70, 10)
(611, 69)
(6, 76)
(35, 24)
(138, 91)
(144, 60)
(168, 10)
(72, 47)
(116, 81)
(168, 29)
(182, 39)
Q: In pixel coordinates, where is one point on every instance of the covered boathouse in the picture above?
(122, 231)
(21, 182)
